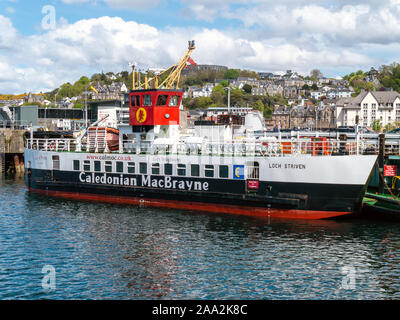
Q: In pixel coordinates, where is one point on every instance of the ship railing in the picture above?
(273, 148)
(251, 147)
(50, 144)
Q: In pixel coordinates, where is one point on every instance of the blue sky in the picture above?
(28, 15)
(335, 36)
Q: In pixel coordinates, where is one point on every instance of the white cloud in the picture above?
(8, 33)
(10, 10)
(45, 61)
(336, 23)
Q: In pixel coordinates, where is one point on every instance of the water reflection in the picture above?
(120, 252)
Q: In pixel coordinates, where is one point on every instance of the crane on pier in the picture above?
(169, 77)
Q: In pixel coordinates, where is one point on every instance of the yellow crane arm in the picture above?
(172, 80)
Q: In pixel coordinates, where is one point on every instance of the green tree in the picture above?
(247, 88)
(78, 105)
(267, 112)
(258, 105)
(204, 102)
(248, 73)
(376, 125)
(236, 96)
(231, 74)
(390, 127)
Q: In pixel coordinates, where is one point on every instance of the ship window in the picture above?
(223, 171)
(135, 101)
(86, 165)
(195, 170)
(173, 101)
(209, 171)
(131, 167)
(143, 167)
(147, 100)
(252, 170)
(155, 168)
(168, 169)
(108, 166)
(162, 100)
(120, 166)
(97, 166)
(181, 169)
(56, 162)
(77, 165)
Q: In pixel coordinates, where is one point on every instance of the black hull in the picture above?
(223, 194)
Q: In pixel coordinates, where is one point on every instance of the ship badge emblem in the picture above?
(141, 115)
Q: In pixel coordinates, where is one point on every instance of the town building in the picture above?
(303, 117)
(368, 107)
(114, 91)
(281, 116)
(258, 91)
(274, 90)
(290, 92)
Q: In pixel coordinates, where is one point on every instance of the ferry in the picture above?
(226, 167)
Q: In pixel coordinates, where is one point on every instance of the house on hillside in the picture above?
(368, 107)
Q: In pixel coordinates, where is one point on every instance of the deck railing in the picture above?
(311, 146)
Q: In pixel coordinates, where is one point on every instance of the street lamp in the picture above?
(55, 105)
(229, 99)
(86, 110)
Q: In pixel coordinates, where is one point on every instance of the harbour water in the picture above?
(103, 251)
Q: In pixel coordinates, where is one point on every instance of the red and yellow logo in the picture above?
(141, 115)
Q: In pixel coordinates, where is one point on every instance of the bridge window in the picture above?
(223, 172)
(181, 169)
(77, 165)
(135, 101)
(209, 171)
(173, 101)
(120, 166)
(97, 166)
(131, 167)
(195, 170)
(147, 100)
(155, 168)
(162, 99)
(168, 169)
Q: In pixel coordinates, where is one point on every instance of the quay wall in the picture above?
(11, 151)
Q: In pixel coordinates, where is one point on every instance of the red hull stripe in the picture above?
(197, 206)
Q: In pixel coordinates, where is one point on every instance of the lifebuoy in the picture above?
(52, 146)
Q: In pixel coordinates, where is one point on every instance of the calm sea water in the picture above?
(102, 251)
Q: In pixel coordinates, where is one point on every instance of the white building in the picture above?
(338, 93)
(368, 107)
(316, 94)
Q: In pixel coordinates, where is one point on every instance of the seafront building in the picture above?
(367, 107)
